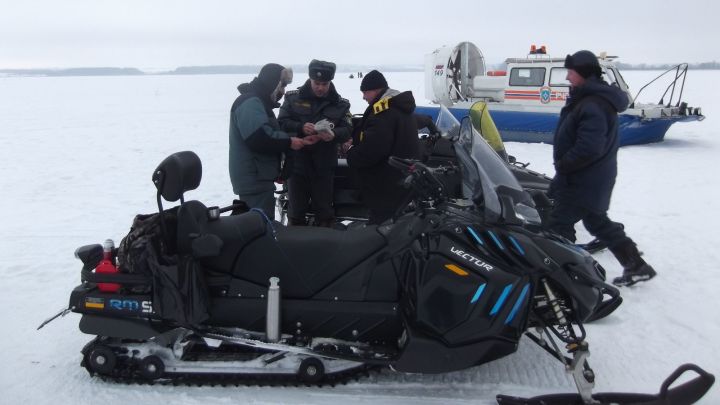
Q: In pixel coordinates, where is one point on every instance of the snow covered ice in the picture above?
(76, 158)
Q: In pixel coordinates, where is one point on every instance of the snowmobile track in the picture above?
(129, 375)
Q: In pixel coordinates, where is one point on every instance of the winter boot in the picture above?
(635, 269)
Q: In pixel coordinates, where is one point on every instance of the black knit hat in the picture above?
(321, 71)
(373, 80)
(585, 63)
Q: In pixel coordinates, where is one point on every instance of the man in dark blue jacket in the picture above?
(256, 141)
(585, 156)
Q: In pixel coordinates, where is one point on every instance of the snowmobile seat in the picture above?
(232, 233)
(307, 259)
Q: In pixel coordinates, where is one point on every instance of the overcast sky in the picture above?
(172, 33)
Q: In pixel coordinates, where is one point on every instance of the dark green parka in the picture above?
(256, 141)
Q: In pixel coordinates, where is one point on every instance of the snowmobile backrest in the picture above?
(178, 173)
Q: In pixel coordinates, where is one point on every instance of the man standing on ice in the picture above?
(387, 129)
(317, 109)
(585, 157)
(256, 141)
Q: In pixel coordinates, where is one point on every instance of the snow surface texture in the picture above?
(76, 160)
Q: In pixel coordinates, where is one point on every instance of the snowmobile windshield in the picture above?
(486, 178)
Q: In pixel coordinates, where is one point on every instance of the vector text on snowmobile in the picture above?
(192, 295)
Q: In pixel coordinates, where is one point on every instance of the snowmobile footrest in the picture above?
(685, 393)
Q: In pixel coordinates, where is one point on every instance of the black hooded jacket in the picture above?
(586, 144)
(302, 106)
(387, 129)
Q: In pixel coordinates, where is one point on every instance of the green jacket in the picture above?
(256, 143)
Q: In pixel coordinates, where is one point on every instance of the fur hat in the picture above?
(321, 71)
(585, 63)
(373, 80)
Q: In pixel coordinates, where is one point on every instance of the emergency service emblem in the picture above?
(545, 94)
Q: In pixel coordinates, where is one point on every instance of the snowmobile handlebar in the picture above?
(420, 177)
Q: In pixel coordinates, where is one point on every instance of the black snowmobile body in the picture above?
(453, 284)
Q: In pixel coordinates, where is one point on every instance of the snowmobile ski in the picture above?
(686, 393)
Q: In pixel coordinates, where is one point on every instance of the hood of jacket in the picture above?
(254, 88)
(404, 101)
(598, 87)
(267, 83)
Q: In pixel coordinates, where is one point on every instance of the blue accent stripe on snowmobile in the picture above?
(517, 245)
(478, 293)
(475, 235)
(497, 241)
(519, 302)
(499, 303)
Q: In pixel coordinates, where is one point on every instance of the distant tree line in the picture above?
(87, 71)
(190, 70)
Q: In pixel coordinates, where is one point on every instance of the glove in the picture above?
(324, 128)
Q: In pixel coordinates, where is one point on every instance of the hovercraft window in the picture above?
(558, 77)
(527, 77)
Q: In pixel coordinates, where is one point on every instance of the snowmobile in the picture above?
(193, 295)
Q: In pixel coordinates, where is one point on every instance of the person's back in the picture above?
(256, 142)
(248, 107)
(586, 143)
(388, 128)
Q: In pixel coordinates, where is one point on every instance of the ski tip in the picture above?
(686, 393)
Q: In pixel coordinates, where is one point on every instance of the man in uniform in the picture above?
(315, 110)
(387, 128)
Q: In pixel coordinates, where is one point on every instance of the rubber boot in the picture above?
(635, 269)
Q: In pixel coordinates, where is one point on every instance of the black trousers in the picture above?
(565, 215)
(306, 190)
